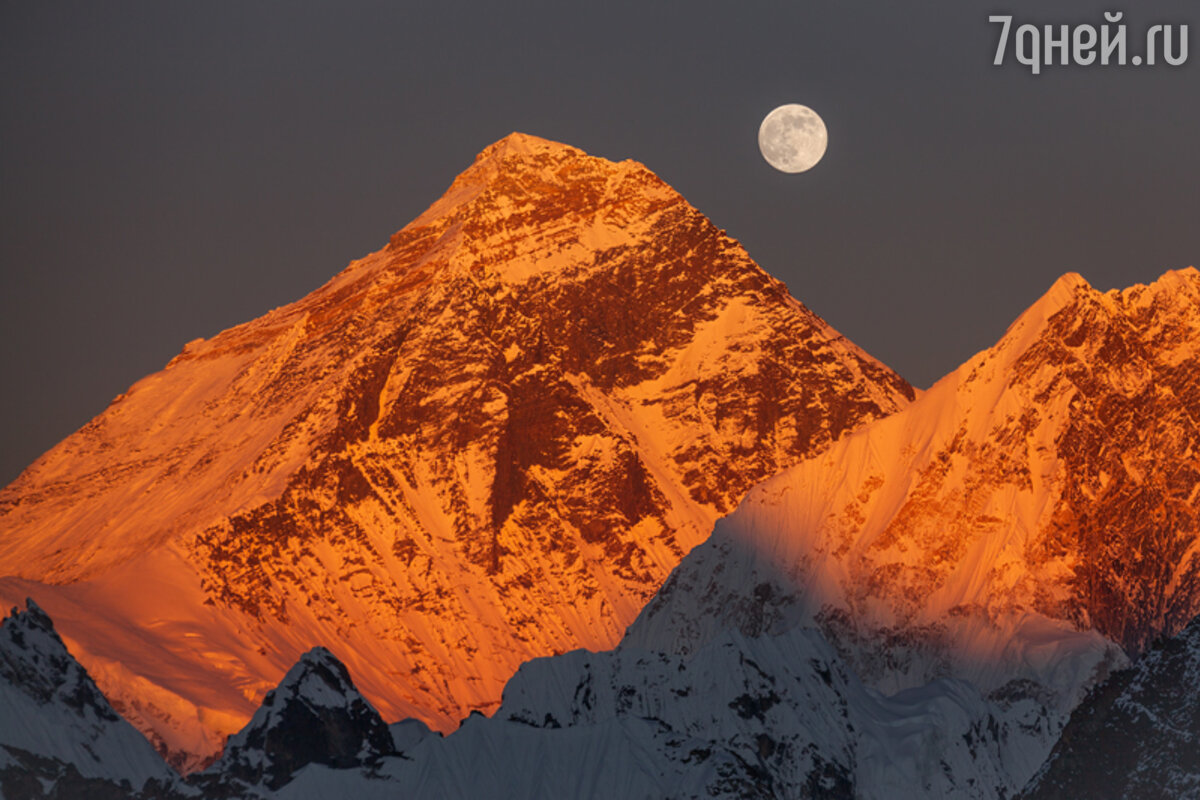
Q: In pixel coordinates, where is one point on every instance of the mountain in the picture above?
(59, 737)
(1033, 515)
(488, 441)
(779, 658)
(315, 716)
(1135, 736)
(771, 716)
(1026, 525)
(915, 611)
(766, 716)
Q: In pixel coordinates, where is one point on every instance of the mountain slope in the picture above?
(765, 716)
(1135, 736)
(769, 716)
(490, 440)
(1030, 512)
(315, 716)
(59, 736)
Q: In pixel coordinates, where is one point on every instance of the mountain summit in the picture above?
(314, 716)
(488, 441)
(59, 737)
(1029, 524)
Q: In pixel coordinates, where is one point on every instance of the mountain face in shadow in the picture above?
(59, 736)
(1135, 735)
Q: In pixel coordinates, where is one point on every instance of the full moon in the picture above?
(792, 138)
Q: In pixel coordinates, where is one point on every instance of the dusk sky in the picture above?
(169, 169)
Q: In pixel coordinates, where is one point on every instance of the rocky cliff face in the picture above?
(488, 441)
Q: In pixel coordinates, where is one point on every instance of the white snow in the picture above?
(50, 708)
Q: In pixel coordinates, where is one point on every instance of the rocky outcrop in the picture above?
(314, 716)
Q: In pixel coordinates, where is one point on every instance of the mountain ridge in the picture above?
(1027, 524)
(776, 660)
(489, 440)
(57, 727)
(980, 400)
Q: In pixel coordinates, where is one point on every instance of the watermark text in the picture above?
(1108, 44)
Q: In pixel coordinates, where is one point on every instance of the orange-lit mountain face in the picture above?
(490, 440)
(1021, 519)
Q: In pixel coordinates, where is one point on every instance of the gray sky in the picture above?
(170, 169)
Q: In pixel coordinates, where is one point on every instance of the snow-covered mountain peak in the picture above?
(1186, 280)
(317, 678)
(55, 724)
(1076, 338)
(1067, 284)
(32, 619)
(1181, 285)
(1062, 294)
(315, 716)
(36, 660)
(576, 203)
(1120, 338)
(490, 440)
(1026, 515)
(522, 146)
(1073, 314)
